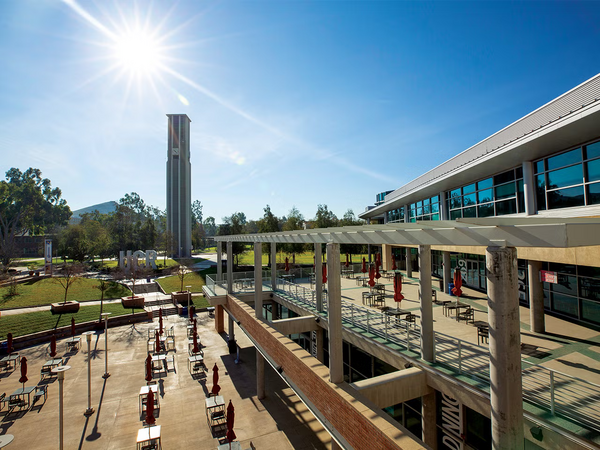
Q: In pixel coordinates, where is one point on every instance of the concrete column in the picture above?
(231, 329)
(529, 188)
(428, 420)
(219, 261)
(427, 340)
(275, 310)
(219, 316)
(406, 213)
(260, 376)
(319, 277)
(229, 267)
(320, 346)
(447, 271)
(409, 262)
(443, 206)
(334, 313)
(505, 348)
(274, 265)
(369, 253)
(537, 319)
(386, 257)
(258, 298)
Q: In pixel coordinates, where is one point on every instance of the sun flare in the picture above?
(138, 53)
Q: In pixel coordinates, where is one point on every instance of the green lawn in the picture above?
(21, 324)
(194, 279)
(45, 291)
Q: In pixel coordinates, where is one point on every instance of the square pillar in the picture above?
(273, 266)
(537, 319)
(427, 338)
(318, 277)
(229, 267)
(506, 392)
(260, 375)
(447, 271)
(334, 313)
(528, 188)
(258, 298)
(219, 319)
(219, 262)
(409, 262)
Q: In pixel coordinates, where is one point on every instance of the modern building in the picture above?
(179, 185)
(544, 165)
(517, 214)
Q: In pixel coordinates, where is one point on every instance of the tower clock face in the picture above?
(175, 151)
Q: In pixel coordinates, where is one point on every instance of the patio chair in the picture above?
(482, 333)
(468, 315)
(3, 400)
(40, 391)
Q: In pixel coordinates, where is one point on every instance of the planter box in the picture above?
(64, 307)
(180, 297)
(135, 302)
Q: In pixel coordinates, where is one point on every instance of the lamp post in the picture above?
(88, 337)
(105, 315)
(189, 297)
(60, 371)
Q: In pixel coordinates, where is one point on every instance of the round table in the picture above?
(6, 439)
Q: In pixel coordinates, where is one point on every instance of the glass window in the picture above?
(470, 199)
(485, 184)
(486, 210)
(589, 288)
(520, 196)
(435, 207)
(435, 199)
(478, 430)
(538, 166)
(455, 214)
(505, 191)
(504, 177)
(519, 172)
(592, 150)
(565, 304)
(468, 189)
(587, 271)
(565, 177)
(470, 212)
(506, 207)
(485, 196)
(567, 284)
(455, 202)
(419, 211)
(564, 159)
(435, 217)
(590, 311)
(593, 194)
(570, 269)
(566, 198)
(593, 170)
(540, 189)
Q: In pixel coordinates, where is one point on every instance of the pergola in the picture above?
(500, 236)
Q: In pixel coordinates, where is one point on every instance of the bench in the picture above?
(40, 391)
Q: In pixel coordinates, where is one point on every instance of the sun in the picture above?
(138, 53)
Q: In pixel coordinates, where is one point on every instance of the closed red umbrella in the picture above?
(230, 418)
(394, 267)
(150, 420)
(23, 378)
(347, 262)
(149, 368)
(457, 283)
(364, 266)
(287, 264)
(377, 274)
(371, 275)
(216, 388)
(378, 260)
(195, 349)
(156, 342)
(398, 297)
(324, 273)
(53, 346)
(9, 343)
(72, 326)
(160, 322)
(195, 326)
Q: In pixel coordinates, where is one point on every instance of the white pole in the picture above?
(189, 296)
(89, 411)
(60, 371)
(106, 374)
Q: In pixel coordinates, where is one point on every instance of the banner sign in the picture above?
(548, 277)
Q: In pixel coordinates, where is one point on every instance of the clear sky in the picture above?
(293, 103)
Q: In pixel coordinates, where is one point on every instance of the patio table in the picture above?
(144, 390)
(49, 365)
(456, 306)
(194, 361)
(20, 394)
(73, 342)
(215, 408)
(147, 436)
(10, 361)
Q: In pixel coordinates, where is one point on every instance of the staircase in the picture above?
(164, 303)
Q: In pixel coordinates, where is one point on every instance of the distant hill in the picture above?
(102, 208)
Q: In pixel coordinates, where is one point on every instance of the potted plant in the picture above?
(32, 268)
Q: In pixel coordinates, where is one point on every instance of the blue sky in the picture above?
(293, 103)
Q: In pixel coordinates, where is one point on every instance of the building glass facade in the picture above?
(427, 209)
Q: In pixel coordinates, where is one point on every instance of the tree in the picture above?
(28, 204)
(103, 286)
(210, 227)
(234, 224)
(197, 227)
(325, 218)
(68, 275)
(350, 219)
(72, 243)
(268, 224)
(181, 271)
(294, 221)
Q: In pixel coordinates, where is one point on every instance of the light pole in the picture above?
(189, 297)
(105, 315)
(60, 371)
(88, 337)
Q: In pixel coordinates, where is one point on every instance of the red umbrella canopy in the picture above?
(9, 343)
(324, 273)
(347, 262)
(160, 322)
(53, 346)
(150, 420)
(156, 342)
(148, 368)
(23, 378)
(378, 260)
(73, 326)
(287, 264)
(457, 283)
(377, 274)
(195, 326)
(364, 266)
(195, 349)
(398, 297)
(371, 275)
(230, 418)
(216, 388)
(394, 267)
